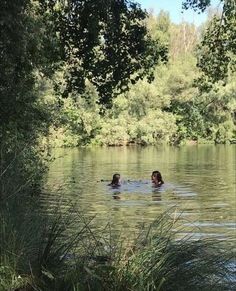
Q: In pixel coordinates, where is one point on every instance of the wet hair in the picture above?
(157, 175)
(115, 179)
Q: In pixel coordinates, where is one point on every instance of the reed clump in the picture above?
(66, 252)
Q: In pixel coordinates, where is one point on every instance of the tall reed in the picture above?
(67, 252)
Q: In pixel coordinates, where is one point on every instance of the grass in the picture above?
(65, 252)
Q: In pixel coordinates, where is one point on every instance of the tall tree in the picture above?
(26, 51)
(218, 47)
(183, 40)
(105, 41)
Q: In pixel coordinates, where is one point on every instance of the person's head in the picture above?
(157, 178)
(115, 179)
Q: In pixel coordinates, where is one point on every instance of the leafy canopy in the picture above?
(218, 47)
(104, 41)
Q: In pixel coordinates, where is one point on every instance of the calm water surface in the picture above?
(199, 184)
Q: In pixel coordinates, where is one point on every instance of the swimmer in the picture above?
(115, 181)
(157, 179)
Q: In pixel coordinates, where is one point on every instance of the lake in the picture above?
(199, 186)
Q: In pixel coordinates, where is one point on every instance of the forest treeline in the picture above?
(175, 107)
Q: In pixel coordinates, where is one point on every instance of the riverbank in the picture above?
(65, 138)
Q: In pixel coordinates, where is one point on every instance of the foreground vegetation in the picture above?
(69, 253)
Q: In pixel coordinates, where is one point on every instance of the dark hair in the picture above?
(157, 174)
(115, 179)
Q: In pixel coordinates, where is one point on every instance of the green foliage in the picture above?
(214, 108)
(24, 113)
(65, 252)
(114, 132)
(170, 109)
(208, 116)
(218, 49)
(25, 165)
(156, 127)
(158, 262)
(78, 118)
(16, 81)
(23, 52)
(196, 4)
(105, 42)
(159, 27)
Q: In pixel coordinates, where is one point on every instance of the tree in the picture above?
(159, 27)
(105, 42)
(24, 56)
(196, 4)
(25, 51)
(183, 40)
(217, 52)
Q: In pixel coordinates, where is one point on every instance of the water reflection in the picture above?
(199, 183)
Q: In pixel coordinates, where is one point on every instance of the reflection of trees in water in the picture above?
(201, 182)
